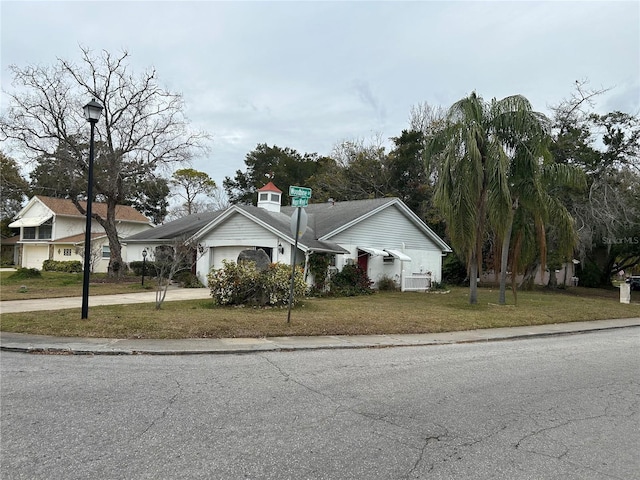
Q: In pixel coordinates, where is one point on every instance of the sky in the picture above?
(308, 75)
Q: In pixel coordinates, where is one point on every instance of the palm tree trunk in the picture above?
(504, 259)
(473, 279)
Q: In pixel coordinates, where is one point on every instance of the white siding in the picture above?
(68, 226)
(387, 229)
(239, 230)
(37, 209)
(390, 229)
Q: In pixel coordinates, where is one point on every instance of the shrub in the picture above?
(589, 275)
(244, 284)
(277, 284)
(68, 266)
(352, 280)
(319, 267)
(454, 271)
(150, 269)
(186, 279)
(387, 284)
(24, 273)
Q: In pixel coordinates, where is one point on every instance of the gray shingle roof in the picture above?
(182, 227)
(327, 217)
(324, 220)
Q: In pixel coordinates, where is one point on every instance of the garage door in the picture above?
(34, 255)
(223, 253)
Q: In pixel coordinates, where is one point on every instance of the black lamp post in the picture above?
(144, 264)
(92, 111)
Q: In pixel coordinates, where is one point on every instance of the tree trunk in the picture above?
(473, 279)
(504, 259)
(529, 276)
(553, 279)
(116, 265)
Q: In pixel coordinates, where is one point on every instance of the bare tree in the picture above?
(169, 260)
(142, 128)
(428, 120)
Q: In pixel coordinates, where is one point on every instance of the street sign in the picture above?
(299, 202)
(303, 192)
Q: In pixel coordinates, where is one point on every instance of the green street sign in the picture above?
(303, 192)
(299, 202)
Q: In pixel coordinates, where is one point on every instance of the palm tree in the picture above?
(526, 136)
(492, 162)
(540, 208)
(472, 182)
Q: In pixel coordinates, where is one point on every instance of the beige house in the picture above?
(54, 229)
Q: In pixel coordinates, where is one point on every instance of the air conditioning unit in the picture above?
(350, 261)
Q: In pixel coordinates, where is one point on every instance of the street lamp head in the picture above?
(92, 111)
(144, 253)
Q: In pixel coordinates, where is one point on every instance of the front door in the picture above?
(363, 260)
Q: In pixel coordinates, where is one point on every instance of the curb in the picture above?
(40, 346)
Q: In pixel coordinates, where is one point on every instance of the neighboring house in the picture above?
(54, 229)
(9, 250)
(381, 235)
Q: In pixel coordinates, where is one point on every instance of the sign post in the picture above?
(299, 198)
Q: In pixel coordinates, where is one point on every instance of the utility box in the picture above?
(625, 293)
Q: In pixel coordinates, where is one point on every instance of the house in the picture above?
(54, 229)
(381, 235)
(9, 250)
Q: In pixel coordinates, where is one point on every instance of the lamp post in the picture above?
(92, 111)
(144, 264)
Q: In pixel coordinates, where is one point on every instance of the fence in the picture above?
(416, 282)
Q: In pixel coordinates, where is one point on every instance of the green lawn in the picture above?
(381, 313)
(57, 284)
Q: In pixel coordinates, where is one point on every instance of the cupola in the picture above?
(269, 197)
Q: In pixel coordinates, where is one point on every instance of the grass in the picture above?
(57, 284)
(381, 313)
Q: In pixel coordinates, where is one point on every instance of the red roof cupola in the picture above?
(269, 197)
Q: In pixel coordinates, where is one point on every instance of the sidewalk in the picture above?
(36, 305)
(18, 342)
(105, 346)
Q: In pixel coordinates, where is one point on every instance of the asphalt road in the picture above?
(552, 408)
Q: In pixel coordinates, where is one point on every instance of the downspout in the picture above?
(402, 270)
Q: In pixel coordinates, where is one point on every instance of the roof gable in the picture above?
(331, 218)
(65, 207)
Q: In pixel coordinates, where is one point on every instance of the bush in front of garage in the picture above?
(68, 266)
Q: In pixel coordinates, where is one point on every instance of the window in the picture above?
(106, 251)
(67, 252)
(44, 231)
(275, 197)
(264, 197)
(29, 233)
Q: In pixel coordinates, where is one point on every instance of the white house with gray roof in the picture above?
(381, 235)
